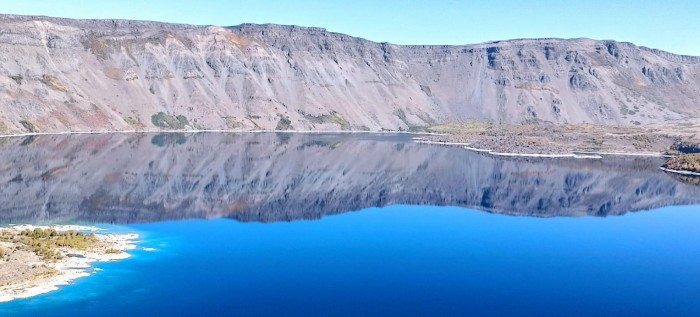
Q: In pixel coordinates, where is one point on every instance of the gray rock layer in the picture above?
(87, 75)
(267, 177)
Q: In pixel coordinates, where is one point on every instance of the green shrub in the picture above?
(284, 124)
(135, 122)
(333, 117)
(167, 121)
(44, 243)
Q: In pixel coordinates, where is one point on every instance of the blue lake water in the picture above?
(303, 225)
(401, 260)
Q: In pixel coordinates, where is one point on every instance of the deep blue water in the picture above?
(400, 260)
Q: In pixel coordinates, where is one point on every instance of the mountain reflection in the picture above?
(134, 178)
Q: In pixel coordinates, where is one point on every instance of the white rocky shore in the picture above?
(25, 273)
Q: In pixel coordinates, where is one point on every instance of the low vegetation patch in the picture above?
(113, 251)
(168, 121)
(45, 243)
(686, 162)
(30, 126)
(134, 122)
(284, 124)
(470, 127)
(53, 83)
(333, 117)
(3, 128)
(232, 124)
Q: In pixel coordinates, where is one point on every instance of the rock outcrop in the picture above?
(97, 75)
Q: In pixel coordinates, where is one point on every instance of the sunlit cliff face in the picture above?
(93, 75)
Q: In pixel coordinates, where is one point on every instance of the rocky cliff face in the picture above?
(130, 178)
(96, 75)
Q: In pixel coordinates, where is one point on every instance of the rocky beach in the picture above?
(40, 259)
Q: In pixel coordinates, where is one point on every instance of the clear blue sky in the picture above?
(672, 25)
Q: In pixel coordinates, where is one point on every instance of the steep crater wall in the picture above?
(97, 75)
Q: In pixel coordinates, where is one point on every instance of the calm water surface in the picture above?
(302, 225)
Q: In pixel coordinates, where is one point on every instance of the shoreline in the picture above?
(568, 140)
(573, 154)
(680, 172)
(74, 263)
(642, 154)
(217, 131)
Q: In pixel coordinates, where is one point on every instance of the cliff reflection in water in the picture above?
(134, 178)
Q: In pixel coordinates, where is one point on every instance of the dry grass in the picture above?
(45, 243)
(53, 83)
(30, 126)
(237, 40)
(686, 162)
(113, 251)
(134, 122)
(470, 127)
(3, 128)
(333, 117)
(114, 73)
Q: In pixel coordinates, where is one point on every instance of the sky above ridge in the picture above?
(671, 25)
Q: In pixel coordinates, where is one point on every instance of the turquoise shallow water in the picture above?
(399, 260)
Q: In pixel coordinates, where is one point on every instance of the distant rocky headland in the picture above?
(59, 75)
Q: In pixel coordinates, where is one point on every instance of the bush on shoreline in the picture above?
(686, 162)
(167, 121)
(45, 243)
